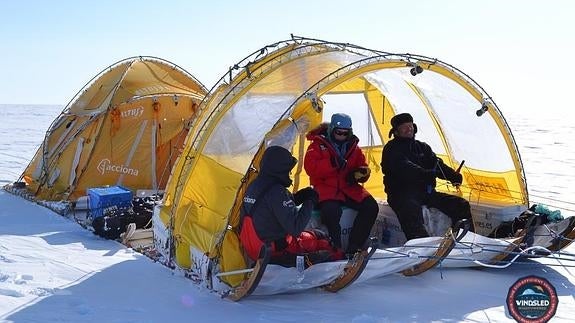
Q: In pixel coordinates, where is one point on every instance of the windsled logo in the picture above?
(532, 299)
(106, 166)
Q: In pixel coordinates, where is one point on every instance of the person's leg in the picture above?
(410, 216)
(284, 259)
(366, 214)
(330, 215)
(454, 207)
(317, 247)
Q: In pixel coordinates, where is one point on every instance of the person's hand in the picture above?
(358, 175)
(456, 179)
(362, 174)
(306, 194)
(350, 178)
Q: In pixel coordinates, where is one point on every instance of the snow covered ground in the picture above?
(53, 270)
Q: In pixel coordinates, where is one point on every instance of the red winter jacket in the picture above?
(325, 172)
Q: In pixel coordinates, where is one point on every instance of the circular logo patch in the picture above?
(532, 299)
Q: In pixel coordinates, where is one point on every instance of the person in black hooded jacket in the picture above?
(410, 168)
(270, 214)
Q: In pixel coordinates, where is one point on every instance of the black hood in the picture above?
(277, 162)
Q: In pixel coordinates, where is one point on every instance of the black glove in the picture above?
(456, 178)
(362, 170)
(358, 175)
(306, 194)
(350, 178)
(362, 174)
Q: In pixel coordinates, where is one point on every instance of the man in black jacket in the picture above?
(410, 168)
(270, 214)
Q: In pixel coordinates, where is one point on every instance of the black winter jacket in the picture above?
(410, 168)
(275, 214)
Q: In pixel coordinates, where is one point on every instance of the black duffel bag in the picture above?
(112, 225)
(109, 226)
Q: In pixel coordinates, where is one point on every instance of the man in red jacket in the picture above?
(336, 166)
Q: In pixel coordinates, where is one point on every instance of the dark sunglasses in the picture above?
(340, 132)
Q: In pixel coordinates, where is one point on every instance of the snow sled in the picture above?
(456, 247)
(274, 96)
(264, 278)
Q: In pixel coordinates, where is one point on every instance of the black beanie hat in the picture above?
(398, 120)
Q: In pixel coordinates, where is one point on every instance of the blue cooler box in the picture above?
(102, 198)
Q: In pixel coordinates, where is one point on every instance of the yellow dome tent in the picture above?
(125, 127)
(278, 93)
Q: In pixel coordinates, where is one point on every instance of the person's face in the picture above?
(405, 130)
(340, 134)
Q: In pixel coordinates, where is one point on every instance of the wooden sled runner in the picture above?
(447, 244)
(353, 268)
(247, 287)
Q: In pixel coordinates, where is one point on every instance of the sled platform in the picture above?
(352, 269)
(137, 238)
(247, 287)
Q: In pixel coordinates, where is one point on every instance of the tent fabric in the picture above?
(126, 127)
(267, 99)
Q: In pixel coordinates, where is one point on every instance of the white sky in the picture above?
(518, 50)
